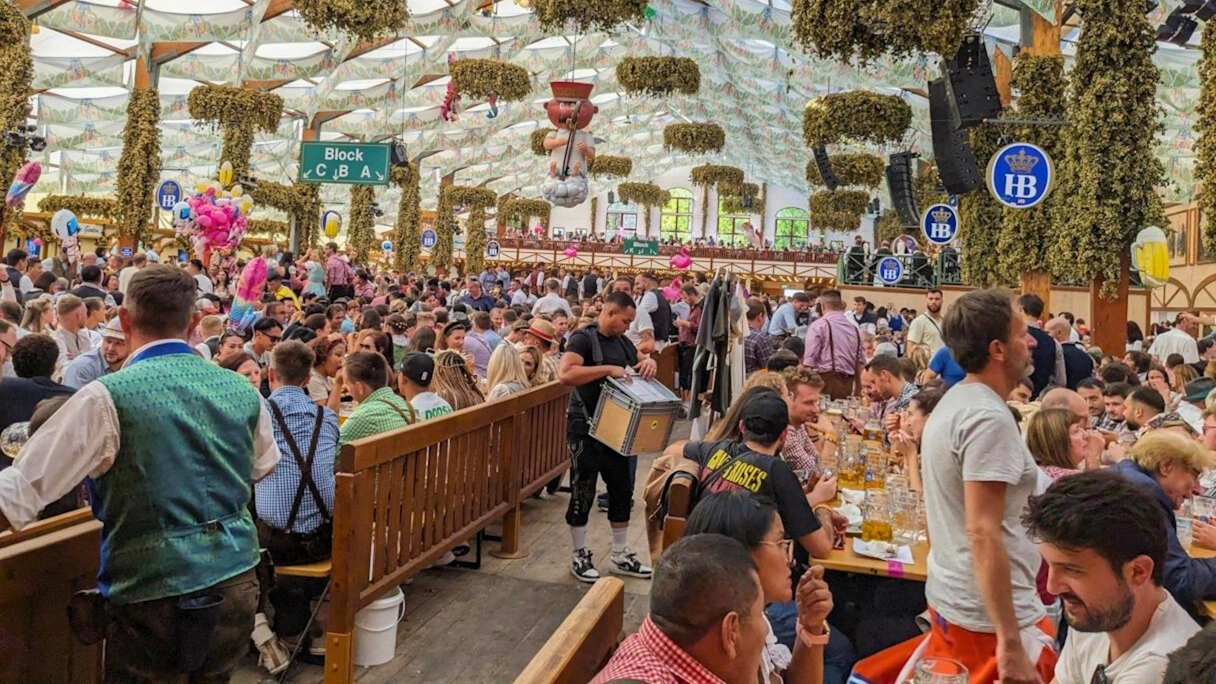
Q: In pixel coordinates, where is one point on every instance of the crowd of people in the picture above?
(1027, 444)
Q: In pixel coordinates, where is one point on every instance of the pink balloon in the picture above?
(204, 220)
(571, 251)
(38, 241)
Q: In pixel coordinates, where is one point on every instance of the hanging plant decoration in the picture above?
(139, 164)
(302, 201)
(646, 195)
(1205, 146)
(865, 170)
(927, 188)
(866, 29)
(716, 175)
(268, 227)
(83, 207)
(1108, 177)
(980, 216)
(741, 198)
(888, 226)
(855, 116)
(695, 138)
(363, 19)
(15, 80)
(589, 15)
(659, 75)
(452, 197)
(362, 232)
(483, 79)
(607, 165)
(239, 113)
(595, 203)
(838, 209)
(538, 141)
(406, 235)
(475, 241)
(523, 209)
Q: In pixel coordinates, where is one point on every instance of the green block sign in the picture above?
(640, 247)
(346, 163)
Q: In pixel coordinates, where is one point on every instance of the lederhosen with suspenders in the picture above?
(295, 548)
(836, 384)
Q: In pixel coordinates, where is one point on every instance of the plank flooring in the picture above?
(483, 626)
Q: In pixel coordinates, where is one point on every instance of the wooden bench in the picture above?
(585, 640)
(679, 506)
(318, 570)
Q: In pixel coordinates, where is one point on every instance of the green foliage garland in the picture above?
(239, 113)
(406, 238)
(589, 15)
(15, 80)
(732, 195)
(1106, 193)
(842, 29)
(647, 195)
(537, 141)
(364, 19)
(1027, 235)
(523, 209)
(706, 175)
(361, 235)
(301, 200)
(889, 226)
(696, 138)
(595, 204)
(83, 207)
(139, 165)
(853, 168)
(450, 197)
(980, 217)
(475, 241)
(659, 75)
(838, 209)
(481, 78)
(607, 165)
(1205, 146)
(927, 189)
(855, 115)
(268, 227)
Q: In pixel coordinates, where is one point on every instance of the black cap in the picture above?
(1199, 389)
(418, 368)
(765, 414)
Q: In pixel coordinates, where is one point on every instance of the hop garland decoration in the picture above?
(589, 15)
(842, 29)
(927, 189)
(538, 142)
(838, 209)
(83, 207)
(15, 80)
(406, 237)
(1027, 235)
(980, 216)
(733, 194)
(1107, 178)
(607, 165)
(865, 170)
(364, 19)
(1205, 146)
(483, 78)
(302, 201)
(239, 113)
(139, 164)
(695, 138)
(855, 115)
(523, 209)
(717, 175)
(450, 197)
(362, 235)
(659, 75)
(648, 195)
(268, 227)
(475, 241)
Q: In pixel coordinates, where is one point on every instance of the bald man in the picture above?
(1078, 364)
(1063, 398)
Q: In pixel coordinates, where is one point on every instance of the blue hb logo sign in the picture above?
(1020, 175)
(126, 252)
(939, 224)
(429, 238)
(890, 270)
(493, 249)
(168, 193)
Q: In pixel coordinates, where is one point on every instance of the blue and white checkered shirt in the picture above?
(277, 490)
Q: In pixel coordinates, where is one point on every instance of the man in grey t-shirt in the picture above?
(978, 476)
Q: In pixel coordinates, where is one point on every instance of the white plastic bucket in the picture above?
(376, 629)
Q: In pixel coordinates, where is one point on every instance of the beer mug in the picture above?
(876, 521)
(1151, 257)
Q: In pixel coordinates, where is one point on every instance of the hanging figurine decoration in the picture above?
(450, 110)
(570, 111)
(22, 183)
(66, 228)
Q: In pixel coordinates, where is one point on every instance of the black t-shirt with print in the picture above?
(616, 351)
(765, 477)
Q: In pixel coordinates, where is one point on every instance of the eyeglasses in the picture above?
(1099, 676)
(273, 338)
(786, 545)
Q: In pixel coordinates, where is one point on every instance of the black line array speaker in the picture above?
(825, 168)
(970, 84)
(899, 182)
(956, 162)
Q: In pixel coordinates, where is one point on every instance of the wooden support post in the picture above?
(1108, 319)
(512, 535)
(1003, 71)
(516, 434)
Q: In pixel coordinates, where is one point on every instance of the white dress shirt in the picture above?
(1175, 342)
(81, 440)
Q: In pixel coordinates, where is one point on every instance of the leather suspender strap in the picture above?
(413, 417)
(831, 344)
(304, 463)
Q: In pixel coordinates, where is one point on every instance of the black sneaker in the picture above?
(582, 568)
(626, 563)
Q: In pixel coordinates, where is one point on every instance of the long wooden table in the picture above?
(847, 560)
(1208, 608)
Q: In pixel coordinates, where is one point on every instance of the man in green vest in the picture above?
(169, 447)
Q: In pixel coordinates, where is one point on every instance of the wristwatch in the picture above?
(812, 640)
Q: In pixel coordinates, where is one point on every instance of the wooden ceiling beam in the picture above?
(269, 84)
(277, 8)
(32, 9)
(164, 51)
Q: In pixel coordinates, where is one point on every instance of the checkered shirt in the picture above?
(275, 492)
(757, 348)
(649, 656)
(373, 416)
(799, 451)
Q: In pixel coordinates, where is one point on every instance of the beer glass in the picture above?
(940, 671)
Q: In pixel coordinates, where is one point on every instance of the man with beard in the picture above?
(1124, 623)
(926, 329)
(1144, 409)
(106, 358)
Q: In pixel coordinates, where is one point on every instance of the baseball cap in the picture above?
(1198, 390)
(542, 329)
(113, 329)
(418, 367)
(766, 414)
(206, 306)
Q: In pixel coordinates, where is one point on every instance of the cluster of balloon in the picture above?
(681, 261)
(215, 217)
(332, 222)
(672, 291)
(66, 228)
(22, 183)
(571, 149)
(571, 251)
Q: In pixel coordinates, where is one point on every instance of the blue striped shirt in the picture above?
(277, 490)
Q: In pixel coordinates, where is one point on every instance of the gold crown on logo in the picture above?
(1021, 162)
(940, 215)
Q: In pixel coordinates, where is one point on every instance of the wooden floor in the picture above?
(485, 625)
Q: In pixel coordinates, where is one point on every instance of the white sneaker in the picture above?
(271, 654)
(582, 568)
(626, 562)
